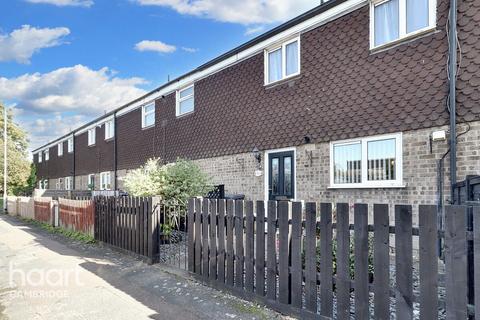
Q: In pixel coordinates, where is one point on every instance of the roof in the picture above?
(289, 24)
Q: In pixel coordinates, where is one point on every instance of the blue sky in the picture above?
(64, 62)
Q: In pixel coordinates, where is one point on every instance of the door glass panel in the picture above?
(275, 175)
(287, 184)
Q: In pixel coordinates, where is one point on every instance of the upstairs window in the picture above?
(105, 183)
(392, 20)
(40, 157)
(91, 137)
(109, 130)
(148, 115)
(47, 155)
(373, 162)
(70, 145)
(283, 61)
(60, 149)
(185, 100)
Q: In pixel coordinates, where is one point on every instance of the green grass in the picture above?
(74, 235)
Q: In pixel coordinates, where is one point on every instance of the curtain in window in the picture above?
(292, 58)
(386, 22)
(417, 15)
(347, 165)
(275, 65)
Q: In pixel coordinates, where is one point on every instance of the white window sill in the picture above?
(351, 186)
(274, 83)
(148, 127)
(185, 114)
(417, 34)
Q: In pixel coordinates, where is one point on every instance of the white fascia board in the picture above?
(312, 23)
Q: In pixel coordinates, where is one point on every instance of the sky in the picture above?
(65, 62)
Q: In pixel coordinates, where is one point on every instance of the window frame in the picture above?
(102, 175)
(60, 149)
(402, 22)
(92, 133)
(283, 47)
(397, 183)
(40, 157)
(179, 100)
(68, 183)
(109, 125)
(70, 145)
(144, 114)
(89, 182)
(46, 155)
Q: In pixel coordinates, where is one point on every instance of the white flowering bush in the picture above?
(175, 182)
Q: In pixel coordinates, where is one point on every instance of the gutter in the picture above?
(452, 94)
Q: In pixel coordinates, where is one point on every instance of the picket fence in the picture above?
(297, 260)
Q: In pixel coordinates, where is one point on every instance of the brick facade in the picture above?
(344, 91)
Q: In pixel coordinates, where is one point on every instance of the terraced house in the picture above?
(354, 100)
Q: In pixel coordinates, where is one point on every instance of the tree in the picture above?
(18, 166)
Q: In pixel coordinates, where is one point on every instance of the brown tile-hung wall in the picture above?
(57, 166)
(343, 91)
(95, 158)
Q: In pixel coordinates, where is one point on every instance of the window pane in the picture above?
(275, 175)
(347, 163)
(287, 180)
(386, 22)
(417, 15)
(149, 108)
(381, 160)
(186, 92)
(186, 106)
(275, 65)
(149, 119)
(292, 58)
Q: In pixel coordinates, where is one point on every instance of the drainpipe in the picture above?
(452, 94)
(73, 154)
(115, 151)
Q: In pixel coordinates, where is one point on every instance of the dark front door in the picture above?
(281, 176)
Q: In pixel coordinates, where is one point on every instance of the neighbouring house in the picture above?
(347, 102)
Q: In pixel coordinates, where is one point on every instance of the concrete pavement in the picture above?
(47, 276)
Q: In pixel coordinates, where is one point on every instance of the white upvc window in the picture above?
(105, 182)
(68, 183)
(60, 149)
(70, 145)
(91, 182)
(282, 61)
(47, 154)
(185, 100)
(91, 136)
(40, 156)
(373, 162)
(59, 184)
(391, 20)
(109, 129)
(148, 115)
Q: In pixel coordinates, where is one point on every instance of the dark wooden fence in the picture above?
(128, 223)
(310, 261)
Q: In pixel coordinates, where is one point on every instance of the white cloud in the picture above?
(73, 89)
(22, 43)
(189, 50)
(254, 30)
(245, 12)
(64, 3)
(156, 46)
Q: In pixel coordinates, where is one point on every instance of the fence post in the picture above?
(191, 240)
(150, 229)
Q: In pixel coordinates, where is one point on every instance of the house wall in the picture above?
(96, 158)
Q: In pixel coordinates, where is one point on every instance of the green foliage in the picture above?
(27, 189)
(74, 235)
(18, 165)
(175, 182)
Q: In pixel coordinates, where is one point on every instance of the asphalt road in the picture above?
(46, 276)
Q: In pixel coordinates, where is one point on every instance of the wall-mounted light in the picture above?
(257, 155)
